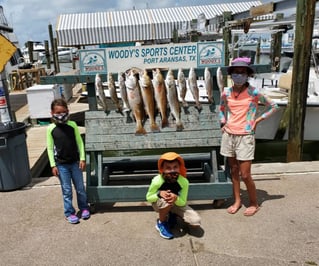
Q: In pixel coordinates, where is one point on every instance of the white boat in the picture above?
(38, 49)
(268, 128)
(65, 55)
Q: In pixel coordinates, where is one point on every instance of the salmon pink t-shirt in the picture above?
(238, 110)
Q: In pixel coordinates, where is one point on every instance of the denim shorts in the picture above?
(242, 147)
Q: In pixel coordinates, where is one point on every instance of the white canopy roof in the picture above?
(135, 25)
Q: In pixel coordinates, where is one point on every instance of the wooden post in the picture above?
(276, 51)
(47, 54)
(258, 51)
(55, 55)
(226, 37)
(30, 51)
(56, 67)
(235, 53)
(227, 16)
(300, 77)
(91, 96)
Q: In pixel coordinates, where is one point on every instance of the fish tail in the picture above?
(140, 130)
(164, 122)
(179, 126)
(155, 128)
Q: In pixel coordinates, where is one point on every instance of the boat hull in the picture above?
(268, 129)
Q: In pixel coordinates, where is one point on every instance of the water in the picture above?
(274, 151)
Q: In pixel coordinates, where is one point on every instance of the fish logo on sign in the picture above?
(210, 54)
(7, 50)
(92, 61)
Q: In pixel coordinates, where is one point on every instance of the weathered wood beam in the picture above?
(278, 7)
(265, 9)
(298, 96)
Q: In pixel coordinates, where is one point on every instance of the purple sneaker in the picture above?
(85, 214)
(73, 219)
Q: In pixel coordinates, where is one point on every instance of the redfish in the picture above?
(182, 86)
(123, 93)
(192, 84)
(135, 101)
(173, 102)
(101, 99)
(209, 89)
(147, 91)
(113, 95)
(160, 96)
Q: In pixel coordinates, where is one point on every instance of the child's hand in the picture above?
(55, 171)
(82, 165)
(171, 197)
(165, 194)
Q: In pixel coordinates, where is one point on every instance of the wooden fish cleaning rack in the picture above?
(120, 164)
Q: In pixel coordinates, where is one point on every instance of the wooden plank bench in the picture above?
(118, 161)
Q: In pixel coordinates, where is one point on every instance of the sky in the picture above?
(30, 18)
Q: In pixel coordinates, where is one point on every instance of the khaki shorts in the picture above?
(242, 147)
(185, 212)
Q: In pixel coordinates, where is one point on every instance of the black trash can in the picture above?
(14, 161)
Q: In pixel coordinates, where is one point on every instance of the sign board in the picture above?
(174, 56)
(7, 50)
(92, 61)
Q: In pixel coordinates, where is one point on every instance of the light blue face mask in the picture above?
(239, 79)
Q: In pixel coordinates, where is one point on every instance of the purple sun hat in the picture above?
(241, 62)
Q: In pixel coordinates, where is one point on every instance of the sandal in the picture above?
(232, 209)
(250, 211)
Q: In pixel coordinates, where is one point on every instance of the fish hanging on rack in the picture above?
(182, 89)
(160, 96)
(135, 101)
(209, 89)
(192, 84)
(123, 93)
(173, 102)
(147, 91)
(113, 95)
(101, 99)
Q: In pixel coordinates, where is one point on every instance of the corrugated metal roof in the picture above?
(135, 25)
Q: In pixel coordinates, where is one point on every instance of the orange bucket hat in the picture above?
(171, 156)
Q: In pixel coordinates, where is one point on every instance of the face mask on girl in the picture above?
(60, 118)
(239, 79)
